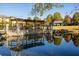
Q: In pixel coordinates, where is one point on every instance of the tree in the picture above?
(75, 19)
(10, 25)
(67, 20)
(29, 24)
(29, 18)
(41, 8)
(49, 19)
(36, 18)
(57, 16)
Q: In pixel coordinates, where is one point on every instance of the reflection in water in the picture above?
(67, 37)
(49, 38)
(76, 40)
(57, 40)
(18, 44)
(2, 39)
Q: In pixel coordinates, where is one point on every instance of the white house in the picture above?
(57, 22)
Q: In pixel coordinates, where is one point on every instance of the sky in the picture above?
(23, 10)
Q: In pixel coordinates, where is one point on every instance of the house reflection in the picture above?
(18, 44)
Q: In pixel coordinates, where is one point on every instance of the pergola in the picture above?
(27, 22)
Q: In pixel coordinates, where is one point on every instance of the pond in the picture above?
(41, 45)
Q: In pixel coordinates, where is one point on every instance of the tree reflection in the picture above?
(67, 37)
(76, 40)
(57, 40)
(2, 40)
(49, 38)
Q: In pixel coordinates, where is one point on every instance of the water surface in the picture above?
(40, 45)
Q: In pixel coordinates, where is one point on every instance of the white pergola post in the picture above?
(18, 28)
(7, 25)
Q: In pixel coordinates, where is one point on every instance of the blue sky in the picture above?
(23, 10)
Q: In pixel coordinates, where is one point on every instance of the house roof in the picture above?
(27, 20)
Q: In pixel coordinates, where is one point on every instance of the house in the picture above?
(17, 25)
(58, 23)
